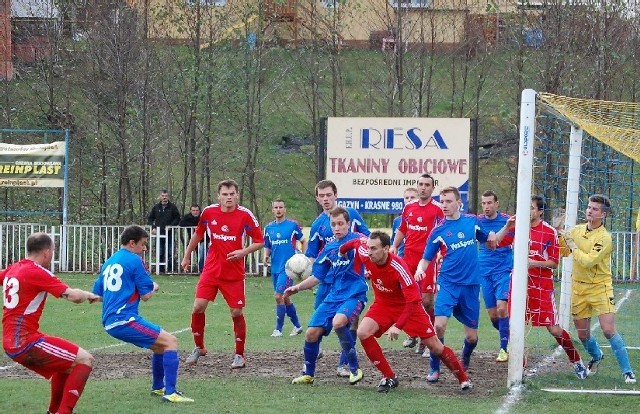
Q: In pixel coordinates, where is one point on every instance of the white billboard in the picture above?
(373, 160)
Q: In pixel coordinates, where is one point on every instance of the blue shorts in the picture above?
(323, 315)
(495, 287)
(137, 332)
(461, 301)
(281, 281)
(322, 291)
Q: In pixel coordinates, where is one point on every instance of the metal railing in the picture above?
(84, 248)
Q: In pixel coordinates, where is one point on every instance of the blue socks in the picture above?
(157, 371)
(292, 314)
(348, 347)
(280, 312)
(311, 350)
(434, 363)
(503, 329)
(619, 350)
(170, 364)
(592, 347)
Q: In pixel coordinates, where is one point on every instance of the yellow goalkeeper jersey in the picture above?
(592, 258)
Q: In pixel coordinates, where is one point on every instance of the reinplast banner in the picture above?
(373, 160)
(37, 165)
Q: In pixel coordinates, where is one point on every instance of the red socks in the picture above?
(565, 342)
(73, 388)
(240, 330)
(453, 363)
(57, 387)
(197, 329)
(375, 355)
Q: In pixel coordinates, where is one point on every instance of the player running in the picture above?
(344, 302)
(397, 306)
(459, 277)
(281, 237)
(25, 286)
(227, 225)
(122, 283)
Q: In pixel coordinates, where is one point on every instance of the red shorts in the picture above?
(428, 284)
(419, 325)
(541, 308)
(233, 291)
(48, 356)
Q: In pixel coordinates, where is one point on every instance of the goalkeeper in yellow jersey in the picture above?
(592, 293)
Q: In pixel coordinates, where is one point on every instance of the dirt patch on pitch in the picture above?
(488, 376)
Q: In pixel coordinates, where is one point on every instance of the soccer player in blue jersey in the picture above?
(123, 281)
(495, 271)
(281, 238)
(459, 293)
(410, 194)
(320, 235)
(346, 298)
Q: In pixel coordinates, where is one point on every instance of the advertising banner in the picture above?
(37, 165)
(373, 160)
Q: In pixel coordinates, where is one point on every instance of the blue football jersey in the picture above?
(499, 260)
(122, 280)
(394, 229)
(459, 238)
(282, 239)
(343, 273)
(321, 233)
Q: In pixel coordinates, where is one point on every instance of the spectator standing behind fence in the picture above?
(164, 214)
(191, 220)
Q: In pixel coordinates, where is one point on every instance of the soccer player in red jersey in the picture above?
(227, 224)
(544, 255)
(396, 307)
(419, 217)
(25, 286)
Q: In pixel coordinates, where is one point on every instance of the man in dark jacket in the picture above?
(164, 214)
(191, 220)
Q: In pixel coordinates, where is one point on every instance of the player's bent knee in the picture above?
(235, 312)
(85, 358)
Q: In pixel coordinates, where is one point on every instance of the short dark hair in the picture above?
(340, 211)
(228, 183)
(133, 232)
(602, 200)
(38, 242)
(451, 189)
(539, 202)
(426, 175)
(384, 238)
(195, 205)
(326, 183)
(490, 193)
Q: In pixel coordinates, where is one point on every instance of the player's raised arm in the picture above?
(308, 283)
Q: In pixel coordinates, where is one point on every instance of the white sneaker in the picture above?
(410, 342)
(426, 353)
(276, 333)
(343, 371)
(296, 331)
(192, 359)
(238, 362)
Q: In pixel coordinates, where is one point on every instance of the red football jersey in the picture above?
(417, 223)
(227, 232)
(392, 283)
(543, 245)
(25, 286)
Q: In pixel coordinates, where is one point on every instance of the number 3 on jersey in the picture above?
(10, 287)
(112, 277)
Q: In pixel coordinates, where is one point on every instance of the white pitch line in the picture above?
(101, 348)
(515, 393)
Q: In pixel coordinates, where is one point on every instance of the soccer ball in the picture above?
(298, 266)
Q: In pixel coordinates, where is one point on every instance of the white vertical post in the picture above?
(571, 218)
(521, 242)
